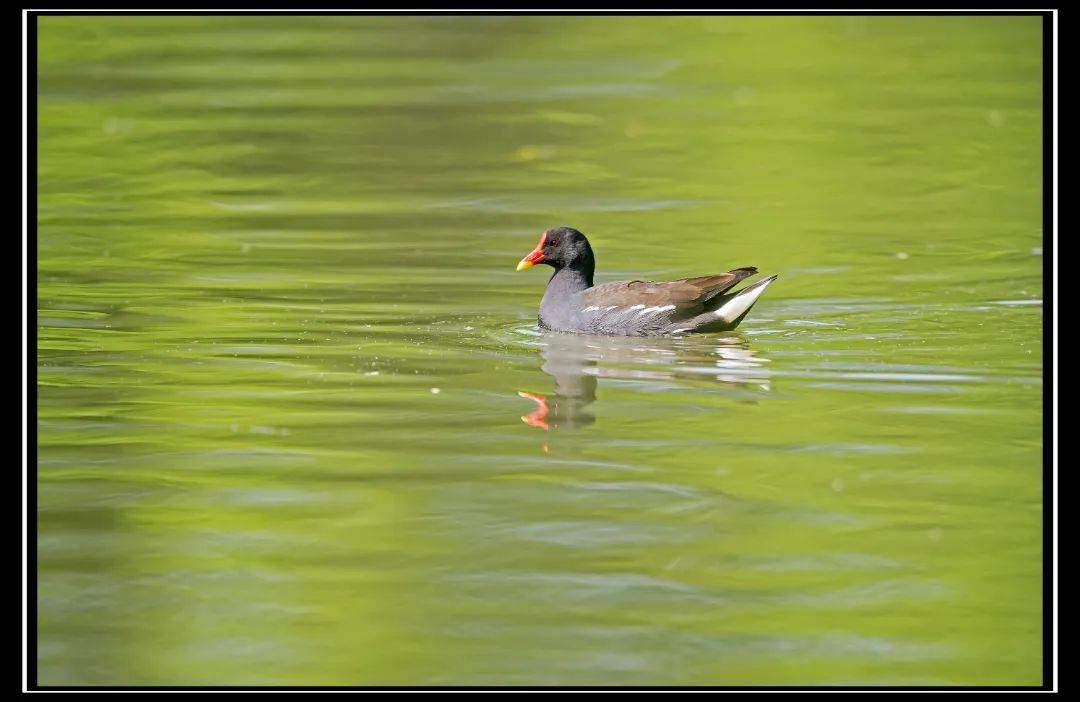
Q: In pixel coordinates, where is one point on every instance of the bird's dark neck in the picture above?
(557, 309)
(570, 280)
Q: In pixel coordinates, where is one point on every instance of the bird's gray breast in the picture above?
(554, 315)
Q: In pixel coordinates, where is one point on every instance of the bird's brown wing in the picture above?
(687, 294)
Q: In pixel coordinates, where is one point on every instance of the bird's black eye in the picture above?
(553, 243)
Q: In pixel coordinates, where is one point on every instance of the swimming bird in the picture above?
(572, 303)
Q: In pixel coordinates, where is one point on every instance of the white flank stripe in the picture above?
(590, 308)
(636, 307)
(653, 310)
(611, 307)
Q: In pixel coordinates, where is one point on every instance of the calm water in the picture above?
(284, 358)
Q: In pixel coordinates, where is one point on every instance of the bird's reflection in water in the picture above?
(576, 361)
(575, 389)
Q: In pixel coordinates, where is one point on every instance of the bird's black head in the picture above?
(562, 247)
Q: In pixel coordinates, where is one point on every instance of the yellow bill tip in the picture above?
(525, 263)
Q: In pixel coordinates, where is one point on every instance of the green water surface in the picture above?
(281, 343)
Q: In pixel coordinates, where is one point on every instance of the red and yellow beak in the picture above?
(535, 256)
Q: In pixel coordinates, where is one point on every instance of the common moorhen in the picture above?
(637, 307)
